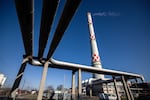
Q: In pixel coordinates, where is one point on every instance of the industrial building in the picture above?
(99, 84)
(25, 12)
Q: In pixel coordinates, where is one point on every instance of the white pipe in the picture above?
(74, 66)
(36, 63)
(91, 68)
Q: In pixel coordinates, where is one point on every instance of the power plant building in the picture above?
(99, 84)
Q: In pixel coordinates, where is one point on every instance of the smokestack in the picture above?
(96, 62)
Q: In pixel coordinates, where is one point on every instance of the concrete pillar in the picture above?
(131, 95)
(115, 85)
(125, 88)
(79, 84)
(136, 82)
(43, 81)
(73, 86)
(107, 88)
(90, 90)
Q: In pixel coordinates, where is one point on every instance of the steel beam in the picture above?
(19, 76)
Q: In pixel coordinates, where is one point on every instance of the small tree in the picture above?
(50, 87)
(60, 87)
(49, 91)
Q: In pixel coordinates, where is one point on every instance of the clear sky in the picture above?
(122, 29)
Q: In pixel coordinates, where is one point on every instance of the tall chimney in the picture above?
(96, 62)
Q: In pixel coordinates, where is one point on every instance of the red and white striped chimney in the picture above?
(96, 62)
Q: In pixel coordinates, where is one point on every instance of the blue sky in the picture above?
(122, 29)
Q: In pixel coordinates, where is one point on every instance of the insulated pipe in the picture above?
(48, 14)
(73, 66)
(68, 12)
(25, 12)
(36, 63)
(96, 62)
(142, 79)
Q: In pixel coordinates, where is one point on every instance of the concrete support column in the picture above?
(115, 85)
(136, 82)
(131, 95)
(90, 91)
(125, 88)
(43, 81)
(107, 88)
(79, 84)
(73, 86)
